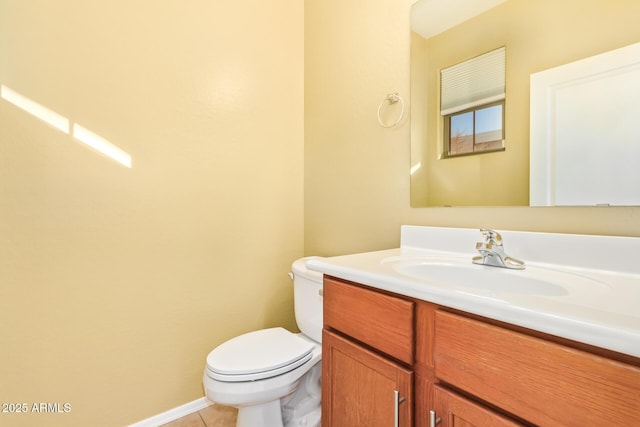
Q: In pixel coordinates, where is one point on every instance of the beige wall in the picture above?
(356, 173)
(115, 283)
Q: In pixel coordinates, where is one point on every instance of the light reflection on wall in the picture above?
(61, 123)
(43, 113)
(415, 168)
(97, 142)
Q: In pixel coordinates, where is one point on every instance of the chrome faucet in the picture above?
(492, 252)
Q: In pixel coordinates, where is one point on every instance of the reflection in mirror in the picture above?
(587, 153)
(471, 104)
(473, 131)
(538, 35)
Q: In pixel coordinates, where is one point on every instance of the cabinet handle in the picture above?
(433, 420)
(397, 400)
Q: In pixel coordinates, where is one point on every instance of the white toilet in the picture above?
(272, 375)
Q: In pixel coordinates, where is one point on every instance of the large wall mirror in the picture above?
(537, 35)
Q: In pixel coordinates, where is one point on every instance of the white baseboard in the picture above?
(175, 413)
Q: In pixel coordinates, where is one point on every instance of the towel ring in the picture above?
(392, 98)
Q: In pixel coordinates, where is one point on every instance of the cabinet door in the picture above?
(545, 383)
(362, 388)
(456, 411)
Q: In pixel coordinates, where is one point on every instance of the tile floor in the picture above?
(212, 416)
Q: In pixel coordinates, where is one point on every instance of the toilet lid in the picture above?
(258, 355)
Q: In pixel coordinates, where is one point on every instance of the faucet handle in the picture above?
(491, 236)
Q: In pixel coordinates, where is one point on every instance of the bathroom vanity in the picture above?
(417, 336)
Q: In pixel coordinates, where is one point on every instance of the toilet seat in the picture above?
(258, 355)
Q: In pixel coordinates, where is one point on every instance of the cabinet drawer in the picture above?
(379, 320)
(543, 382)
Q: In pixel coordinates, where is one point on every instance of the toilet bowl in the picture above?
(272, 375)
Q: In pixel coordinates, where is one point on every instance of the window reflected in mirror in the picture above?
(474, 131)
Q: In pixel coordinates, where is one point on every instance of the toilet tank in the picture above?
(307, 298)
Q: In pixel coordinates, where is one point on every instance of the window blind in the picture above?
(477, 81)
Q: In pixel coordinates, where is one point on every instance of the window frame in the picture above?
(446, 152)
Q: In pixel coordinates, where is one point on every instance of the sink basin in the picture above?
(463, 274)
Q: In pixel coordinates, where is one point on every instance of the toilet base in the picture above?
(264, 415)
(304, 406)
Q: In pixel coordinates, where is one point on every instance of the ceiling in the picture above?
(431, 17)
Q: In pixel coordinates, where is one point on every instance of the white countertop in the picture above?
(606, 315)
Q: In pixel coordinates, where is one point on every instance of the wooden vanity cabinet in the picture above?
(367, 353)
(470, 371)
